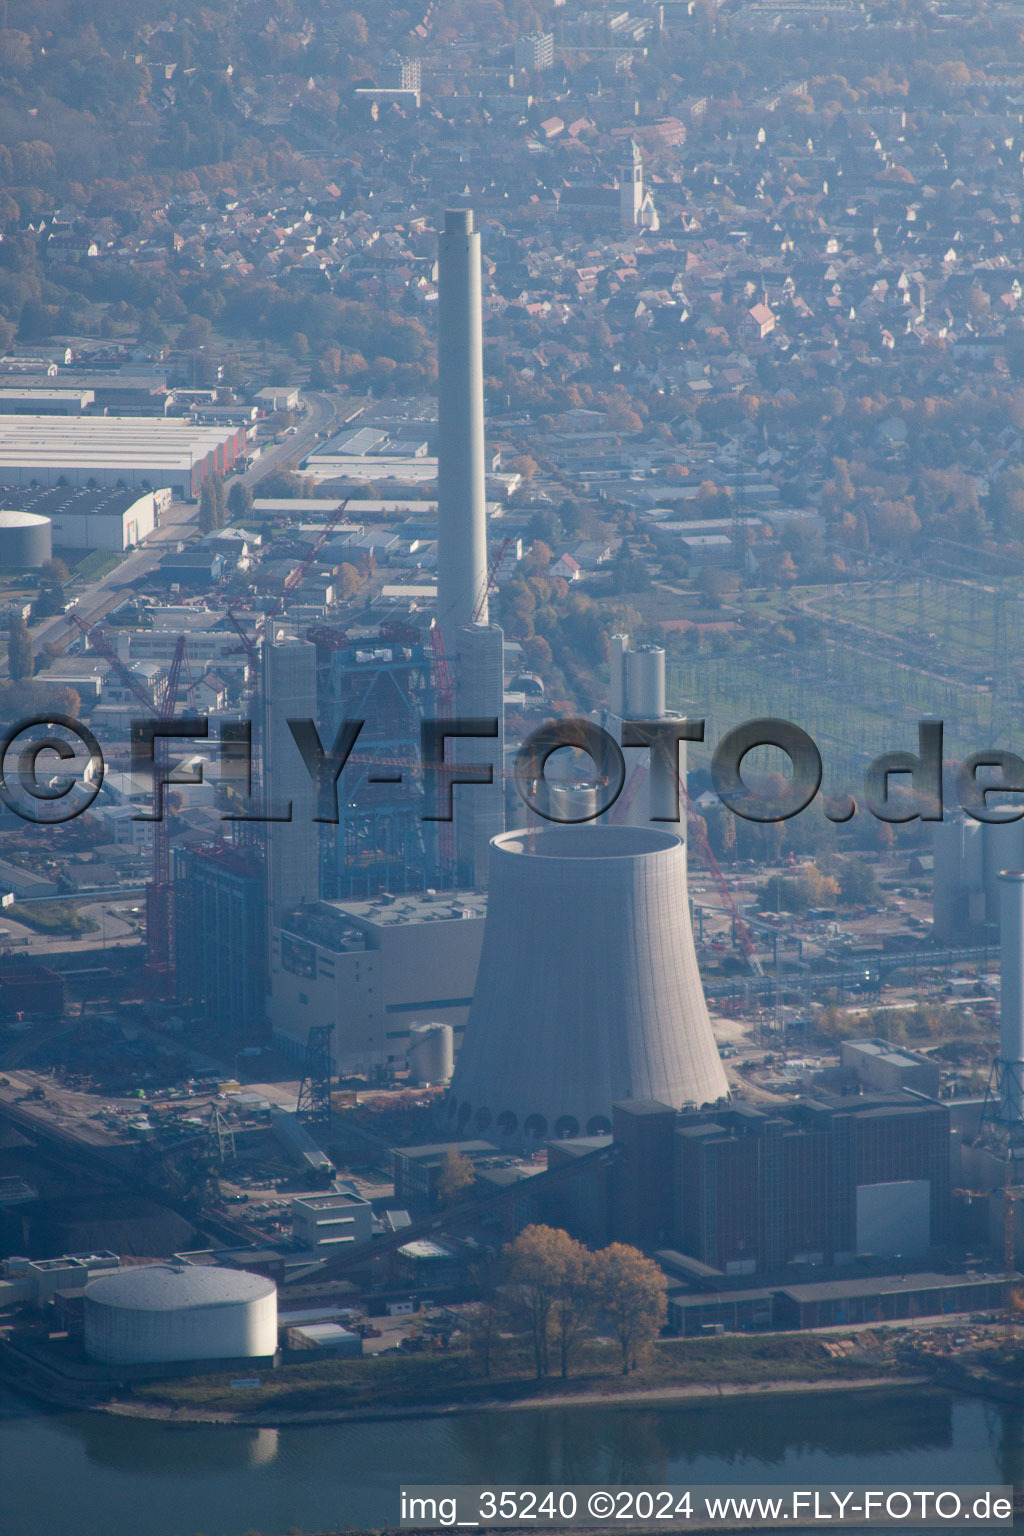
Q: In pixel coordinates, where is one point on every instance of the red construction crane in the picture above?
(697, 832)
(159, 890)
(618, 816)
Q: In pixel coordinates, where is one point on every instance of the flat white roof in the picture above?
(106, 440)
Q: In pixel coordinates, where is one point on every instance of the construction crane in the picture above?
(1010, 1200)
(160, 953)
(742, 932)
(491, 581)
(695, 824)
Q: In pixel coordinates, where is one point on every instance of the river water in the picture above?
(89, 1475)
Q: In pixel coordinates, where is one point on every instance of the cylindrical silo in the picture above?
(26, 540)
(1011, 997)
(588, 990)
(645, 683)
(175, 1312)
(431, 1054)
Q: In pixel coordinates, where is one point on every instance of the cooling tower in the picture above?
(588, 990)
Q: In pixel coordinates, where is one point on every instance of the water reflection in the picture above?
(227, 1480)
(632, 1445)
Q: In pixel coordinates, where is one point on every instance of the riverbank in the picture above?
(647, 1397)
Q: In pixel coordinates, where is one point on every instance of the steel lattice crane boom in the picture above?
(492, 576)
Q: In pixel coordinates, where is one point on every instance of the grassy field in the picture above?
(97, 564)
(404, 1381)
(888, 655)
(55, 917)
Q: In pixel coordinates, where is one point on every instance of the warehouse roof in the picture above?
(886, 1285)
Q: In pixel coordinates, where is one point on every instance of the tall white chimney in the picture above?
(461, 505)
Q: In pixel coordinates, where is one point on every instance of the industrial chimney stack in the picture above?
(473, 646)
(461, 506)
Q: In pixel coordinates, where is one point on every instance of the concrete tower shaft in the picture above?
(588, 990)
(462, 533)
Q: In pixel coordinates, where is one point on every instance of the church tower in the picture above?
(631, 187)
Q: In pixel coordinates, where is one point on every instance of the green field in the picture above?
(886, 654)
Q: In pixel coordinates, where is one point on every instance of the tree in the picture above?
(858, 884)
(349, 579)
(239, 500)
(630, 1291)
(574, 1298)
(211, 504)
(457, 1175)
(531, 1284)
(54, 570)
(20, 658)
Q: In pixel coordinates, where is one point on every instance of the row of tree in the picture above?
(559, 1294)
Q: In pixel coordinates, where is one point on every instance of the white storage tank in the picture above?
(26, 540)
(431, 1053)
(175, 1312)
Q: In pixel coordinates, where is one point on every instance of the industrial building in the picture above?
(221, 933)
(836, 1303)
(321, 1223)
(115, 520)
(820, 1182)
(164, 1313)
(418, 1170)
(44, 402)
(888, 1069)
(372, 970)
(289, 795)
(137, 452)
(739, 1190)
(588, 990)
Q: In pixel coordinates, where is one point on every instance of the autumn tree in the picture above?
(211, 504)
(20, 657)
(630, 1291)
(573, 1304)
(532, 1269)
(456, 1176)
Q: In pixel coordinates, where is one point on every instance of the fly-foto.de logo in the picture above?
(52, 769)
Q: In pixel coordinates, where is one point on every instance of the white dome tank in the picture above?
(174, 1312)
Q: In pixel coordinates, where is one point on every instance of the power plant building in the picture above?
(164, 1313)
(289, 794)
(588, 991)
(374, 970)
